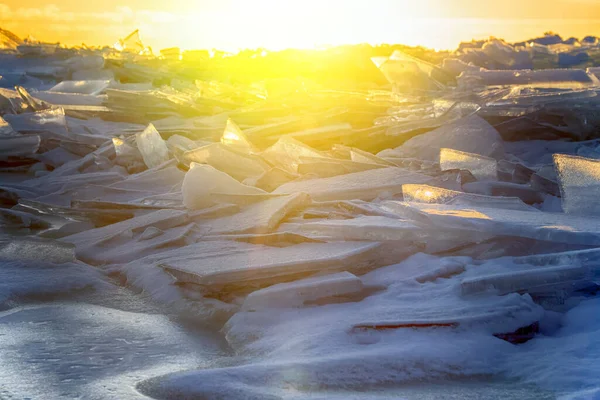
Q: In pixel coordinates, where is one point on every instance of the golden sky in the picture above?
(234, 24)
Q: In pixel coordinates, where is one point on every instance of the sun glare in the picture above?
(276, 24)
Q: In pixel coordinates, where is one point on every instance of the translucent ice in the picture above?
(153, 148)
(553, 227)
(261, 217)
(524, 280)
(260, 266)
(561, 78)
(470, 134)
(298, 293)
(483, 168)
(236, 164)
(81, 87)
(579, 180)
(365, 185)
(287, 152)
(235, 138)
(202, 180)
(19, 146)
(436, 195)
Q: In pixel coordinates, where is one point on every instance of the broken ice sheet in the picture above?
(19, 146)
(81, 87)
(471, 134)
(549, 78)
(305, 291)
(579, 180)
(365, 185)
(261, 217)
(236, 164)
(143, 243)
(525, 280)
(153, 148)
(203, 180)
(260, 266)
(483, 168)
(287, 152)
(5, 128)
(436, 195)
(552, 227)
(236, 139)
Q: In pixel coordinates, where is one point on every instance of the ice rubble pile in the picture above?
(269, 214)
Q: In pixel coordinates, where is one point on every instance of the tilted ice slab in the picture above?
(287, 152)
(232, 162)
(261, 217)
(566, 78)
(92, 87)
(298, 293)
(483, 168)
(134, 246)
(552, 227)
(259, 266)
(203, 180)
(470, 134)
(579, 180)
(19, 146)
(365, 185)
(525, 280)
(153, 148)
(162, 219)
(436, 195)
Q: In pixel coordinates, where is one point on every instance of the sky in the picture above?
(276, 24)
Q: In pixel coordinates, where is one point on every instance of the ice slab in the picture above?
(287, 152)
(528, 280)
(261, 217)
(234, 138)
(471, 134)
(5, 128)
(203, 180)
(19, 146)
(555, 78)
(526, 193)
(234, 163)
(162, 219)
(483, 168)
(143, 243)
(162, 179)
(272, 179)
(579, 180)
(153, 148)
(437, 195)
(552, 227)
(83, 87)
(259, 266)
(57, 157)
(365, 185)
(31, 249)
(301, 292)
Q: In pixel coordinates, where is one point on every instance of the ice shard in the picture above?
(579, 180)
(319, 289)
(483, 168)
(203, 180)
(152, 147)
(470, 134)
(365, 185)
(234, 163)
